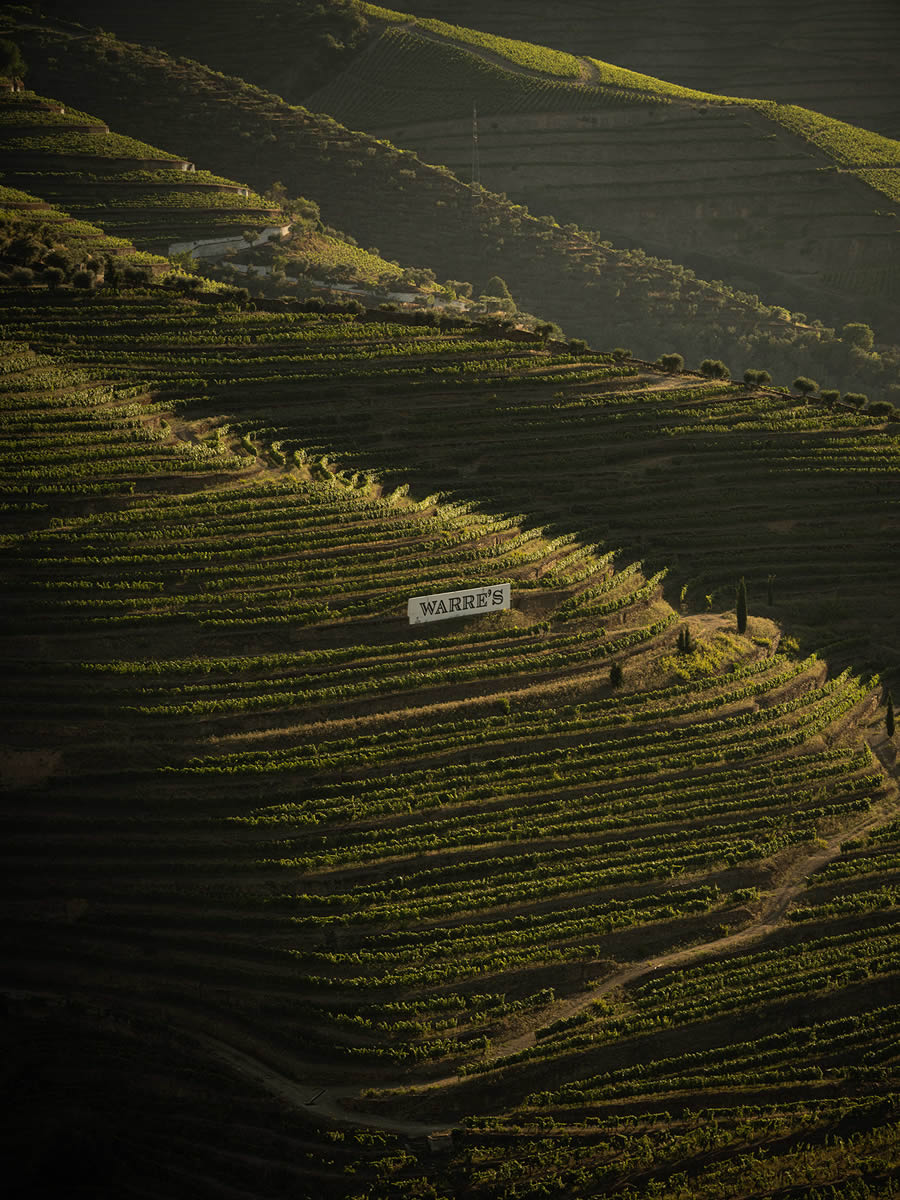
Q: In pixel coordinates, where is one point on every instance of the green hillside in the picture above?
(764, 195)
(422, 216)
(589, 889)
(260, 818)
(73, 159)
(131, 189)
(822, 56)
(628, 440)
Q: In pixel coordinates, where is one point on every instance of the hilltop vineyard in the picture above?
(399, 844)
(442, 757)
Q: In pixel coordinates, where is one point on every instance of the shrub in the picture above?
(741, 606)
(12, 64)
(805, 385)
(857, 399)
(496, 286)
(84, 279)
(620, 353)
(754, 377)
(137, 276)
(881, 408)
(859, 335)
(238, 295)
(22, 276)
(59, 257)
(686, 643)
(714, 368)
(673, 363)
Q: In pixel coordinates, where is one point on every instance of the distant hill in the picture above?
(130, 188)
(766, 196)
(583, 888)
(833, 58)
(423, 216)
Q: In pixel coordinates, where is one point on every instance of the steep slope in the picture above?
(641, 458)
(129, 188)
(602, 889)
(820, 55)
(766, 196)
(422, 215)
(253, 815)
(746, 196)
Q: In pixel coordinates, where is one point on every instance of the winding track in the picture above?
(327, 1101)
(589, 74)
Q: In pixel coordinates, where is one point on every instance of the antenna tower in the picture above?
(476, 164)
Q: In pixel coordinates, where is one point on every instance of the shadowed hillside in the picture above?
(589, 888)
(776, 200)
(130, 188)
(588, 850)
(830, 57)
(421, 215)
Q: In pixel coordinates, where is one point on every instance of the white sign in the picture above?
(444, 605)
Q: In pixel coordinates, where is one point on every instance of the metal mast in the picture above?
(476, 164)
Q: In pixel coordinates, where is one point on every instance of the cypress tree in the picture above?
(686, 644)
(741, 606)
(616, 675)
(889, 716)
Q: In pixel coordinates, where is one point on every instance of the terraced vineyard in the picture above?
(423, 216)
(823, 57)
(642, 456)
(269, 819)
(404, 71)
(762, 198)
(132, 189)
(36, 234)
(746, 189)
(594, 895)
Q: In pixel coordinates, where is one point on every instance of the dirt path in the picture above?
(328, 1101)
(589, 74)
(773, 909)
(318, 1100)
(303, 1091)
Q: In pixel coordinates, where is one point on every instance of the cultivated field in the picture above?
(254, 811)
(596, 895)
(424, 216)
